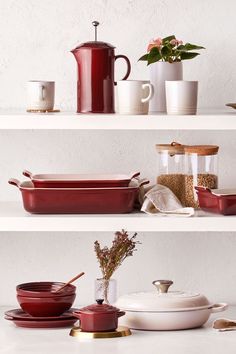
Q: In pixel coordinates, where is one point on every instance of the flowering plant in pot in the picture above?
(110, 259)
(170, 50)
(166, 56)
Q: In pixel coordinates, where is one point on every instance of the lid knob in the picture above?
(95, 24)
(99, 301)
(162, 285)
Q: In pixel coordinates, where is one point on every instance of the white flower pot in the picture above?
(160, 72)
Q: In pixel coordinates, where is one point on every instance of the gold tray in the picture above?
(121, 331)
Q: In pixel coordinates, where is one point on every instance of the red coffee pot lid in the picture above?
(99, 307)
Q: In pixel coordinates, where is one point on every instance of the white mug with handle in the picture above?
(40, 95)
(134, 96)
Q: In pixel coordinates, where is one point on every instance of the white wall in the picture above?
(195, 261)
(35, 39)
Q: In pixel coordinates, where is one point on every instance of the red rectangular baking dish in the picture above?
(80, 180)
(220, 201)
(115, 200)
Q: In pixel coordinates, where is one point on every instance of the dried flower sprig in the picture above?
(111, 258)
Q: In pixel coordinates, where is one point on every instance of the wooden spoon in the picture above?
(69, 282)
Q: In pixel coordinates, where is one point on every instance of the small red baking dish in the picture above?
(80, 180)
(116, 200)
(220, 201)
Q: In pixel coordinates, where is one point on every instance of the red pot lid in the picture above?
(99, 307)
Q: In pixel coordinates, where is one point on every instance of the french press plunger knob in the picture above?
(95, 24)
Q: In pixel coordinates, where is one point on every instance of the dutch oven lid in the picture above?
(95, 44)
(162, 300)
(99, 307)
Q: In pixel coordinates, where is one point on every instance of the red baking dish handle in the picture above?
(134, 174)
(202, 189)
(27, 173)
(142, 182)
(14, 182)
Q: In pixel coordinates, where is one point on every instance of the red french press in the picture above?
(95, 86)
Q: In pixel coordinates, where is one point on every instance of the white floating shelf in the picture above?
(207, 119)
(14, 218)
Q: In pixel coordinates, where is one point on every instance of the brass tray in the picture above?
(121, 331)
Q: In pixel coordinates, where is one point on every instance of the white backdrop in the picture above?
(36, 38)
(35, 41)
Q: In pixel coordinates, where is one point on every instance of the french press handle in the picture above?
(128, 66)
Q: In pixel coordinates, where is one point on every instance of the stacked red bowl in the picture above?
(41, 299)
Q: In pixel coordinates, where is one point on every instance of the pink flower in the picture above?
(174, 42)
(150, 46)
(154, 43)
(179, 42)
(158, 42)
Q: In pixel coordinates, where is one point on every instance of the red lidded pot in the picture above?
(95, 87)
(98, 317)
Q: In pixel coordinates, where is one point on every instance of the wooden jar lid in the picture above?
(201, 150)
(173, 148)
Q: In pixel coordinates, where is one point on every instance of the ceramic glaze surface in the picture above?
(44, 307)
(171, 301)
(95, 85)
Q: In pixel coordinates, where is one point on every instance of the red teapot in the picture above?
(95, 86)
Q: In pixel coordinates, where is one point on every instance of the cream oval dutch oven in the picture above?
(166, 310)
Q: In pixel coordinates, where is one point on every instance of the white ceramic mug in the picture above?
(134, 96)
(40, 95)
(181, 97)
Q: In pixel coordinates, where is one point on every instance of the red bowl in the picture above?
(46, 306)
(44, 289)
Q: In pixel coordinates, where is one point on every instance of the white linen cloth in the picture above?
(160, 200)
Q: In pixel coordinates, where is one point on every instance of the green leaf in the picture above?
(168, 39)
(144, 57)
(187, 55)
(154, 55)
(181, 47)
(189, 46)
(165, 51)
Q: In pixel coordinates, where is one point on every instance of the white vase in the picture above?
(160, 72)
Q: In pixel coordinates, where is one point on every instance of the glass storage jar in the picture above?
(201, 163)
(171, 168)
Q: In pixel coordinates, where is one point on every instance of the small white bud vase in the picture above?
(160, 72)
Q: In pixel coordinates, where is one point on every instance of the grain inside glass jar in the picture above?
(171, 168)
(201, 170)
